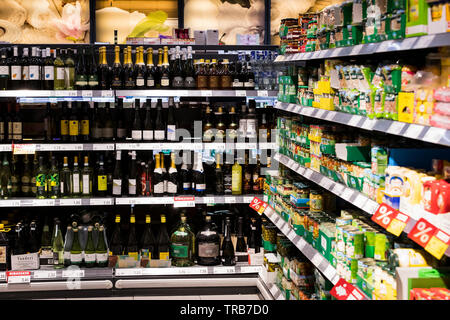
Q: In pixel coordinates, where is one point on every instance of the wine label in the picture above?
(165, 82)
(2, 254)
(64, 127)
(17, 130)
(131, 186)
(76, 183)
(147, 134)
(171, 187)
(66, 255)
(54, 180)
(208, 250)
(86, 185)
(74, 128)
(2, 130)
(237, 83)
(41, 180)
(93, 81)
(101, 257)
(249, 84)
(145, 253)
(159, 134)
(90, 257)
(150, 83)
(186, 186)
(179, 250)
(121, 132)
(75, 257)
(200, 187)
(4, 70)
(214, 82)
(189, 82)
(49, 73)
(81, 80)
(25, 73)
(16, 73)
(117, 187)
(178, 82)
(164, 255)
(34, 73)
(171, 132)
(136, 134)
(108, 133)
(85, 127)
(158, 188)
(251, 126)
(102, 183)
(225, 82)
(60, 73)
(140, 82)
(202, 82)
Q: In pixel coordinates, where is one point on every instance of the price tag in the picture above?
(101, 202)
(2, 275)
(320, 113)
(44, 274)
(70, 202)
(384, 215)
(72, 93)
(354, 120)
(263, 93)
(368, 124)
(86, 93)
(422, 232)
(251, 269)
(241, 93)
(301, 244)
(106, 94)
(285, 228)
(207, 93)
(59, 93)
(438, 244)
(317, 259)
(73, 273)
(18, 277)
(434, 134)
(208, 200)
(347, 194)
(184, 202)
(329, 272)
(24, 148)
(231, 199)
(330, 116)
(396, 127)
(224, 270)
(355, 50)
(308, 173)
(345, 291)
(370, 206)
(258, 205)
(398, 224)
(326, 183)
(129, 272)
(359, 201)
(413, 131)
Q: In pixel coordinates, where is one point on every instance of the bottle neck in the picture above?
(150, 58)
(117, 56)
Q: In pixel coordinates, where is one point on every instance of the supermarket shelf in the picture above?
(182, 271)
(195, 93)
(275, 292)
(408, 130)
(50, 274)
(33, 147)
(198, 200)
(31, 202)
(312, 254)
(348, 194)
(422, 42)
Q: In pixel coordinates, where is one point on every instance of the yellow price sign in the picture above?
(396, 227)
(438, 244)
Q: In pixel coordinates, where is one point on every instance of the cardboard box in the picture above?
(212, 37)
(200, 37)
(352, 152)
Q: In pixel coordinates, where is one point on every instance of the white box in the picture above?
(25, 261)
(212, 37)
(253, 39)
(200, 37)
(439, 26)
(241, 39)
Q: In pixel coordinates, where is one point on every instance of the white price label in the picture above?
(308, 173)
(241, 93)
(330, 116)
(73, 273)
(18, 277)
(434, 134)
(329, 272)
(24, 148)
(263, 93)
(354, 120)
(356, 50)
(129, 272)
(184, 202)
(208, 200)
(72, 93)
(251, 269)
(231, 199)
(86, 93)
(396, 127)
(2, 275)
(320, 113)
(224, 270)
(285, 228)
(413, 131)
(360, 201)
(368, 124)
(70, 202)
(317, 259)
(347, 194)
(101, 202)
(103, 147)
(326, 183)
(207, 93)
(44, 274)
(337, 189)
(107, 94)
(301, 244)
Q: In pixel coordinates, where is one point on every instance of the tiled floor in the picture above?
(211, 297)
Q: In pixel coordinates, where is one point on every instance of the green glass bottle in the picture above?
(132, 247)
(68, 246)
(65, 179)
(41, 179)
(148, 242)
(53, 179)
(89, 251)
(101, 252)
(181, 245)
(86, 179)
(75, 176)
(58, 246)
(59, 69)
(15, 177)
(75, 252)
(5, 177)
(69, 71)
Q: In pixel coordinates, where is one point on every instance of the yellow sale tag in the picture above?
(396, 227)
(164, 256)
(436, 247)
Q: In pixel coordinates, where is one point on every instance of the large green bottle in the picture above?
(58, 246)
(181, 245)
(101, 252)
(68, 246)
(86, 179)
(41, 180)
(5, 179)
(89, 251)
(53, 180)
(75, 252)
(65, 179)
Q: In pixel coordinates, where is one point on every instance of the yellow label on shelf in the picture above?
(436, 247)
(396, 227)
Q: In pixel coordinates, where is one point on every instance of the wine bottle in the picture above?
(198, 176)
(148, 242)
(68, 246)
(116, 71)
(65, 179)
(89, 251)
(147, 132)
(225, 76)
(102, 179)
(178, 81)
(228, 256)
(16, 70)
(252, 243)
(4, 79)
(158, 70)
(247, 177)
(75, 179)
(86, 179)
(116, 247)
(41, 179)
(24, 62)
(5, 248)
(15, 179)
(172, 184)
(233, 126)
(241, 246)
(202, 78)
(163, 240)
(171, 122)
(34, 175)
(252, 121)
(107, 130)
(33, 244)
(257, 179)
(159, 133)
(57, 246)
(236, 178)
(49, 71)
(213, 76)
(64, 121)
(85, 125)
(165, 76)
(34, 70)
(165, 174)
(139, 73)
(101, 251)
(76, 257)
(69, 71)
(220, 125)
(238, 83)
(208, 132)
(53, 179)
(132, 183)
(158, 179)
(26, 178)
(186, 183)
(136, 129)
(117, 175)
(189, 72)
(121, 131)
(97, 130)
(150, 70)
(74, 124)
(227, 180)
(181, 250)
(131, 248)
(208, 245)
(93, 83)
(128, 70)
(81, 78)
(103, 70)
(219, 179)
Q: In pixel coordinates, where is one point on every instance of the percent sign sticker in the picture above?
(258, 205)
(422, 232)
(384, 215)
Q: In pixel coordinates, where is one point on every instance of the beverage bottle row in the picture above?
(83, 69)
(148, 121)
(110, 176)
(86, 242)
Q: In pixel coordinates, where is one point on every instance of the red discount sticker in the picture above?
(258, 205)
(345, 291)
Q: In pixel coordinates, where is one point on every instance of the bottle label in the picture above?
(249, 84)
(2, 130)
(171, 132)
(101, 257)
(54, 180)
(117, 187)
(90, 257)
(237, 83)
(186, 186)
(178, 82)
(85, 127)
(171, 187)
(189, 82)
(158, 188)
(86, 185)
(60, 73)
(121, 132)
(131, 186)
(140, 82)
(25, 73)
(26, 184)
(150, 83)
(102, 183)
(225, 82)
(16, 73)
(236, 182)
(66, 255)
(76, 183)
(64, 127)
(179, 250)
(164, 255)
(145, 253)
(81, 80)
(41, 180)
(147, 134)
(164, 82)
(17, 130)
(62, 187)
(75, 257)
(2, 254)
(73, 128)
(214, 82)
(107, 133)
(200, 187)
(202, 82)
(136, 134)
(251, 127)
(4, 71)
(116, 83)
(208, 250)
(34, 73)
(49, 73)
(159, 134)
(93, 81)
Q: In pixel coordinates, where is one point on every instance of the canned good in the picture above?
(354, 243)
(381, 247)
(369, 236)
(316, 200)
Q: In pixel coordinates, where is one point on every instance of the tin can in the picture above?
(354, 243)
(316, 201)
(352, 265)
(369, 236)
(381, 247)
